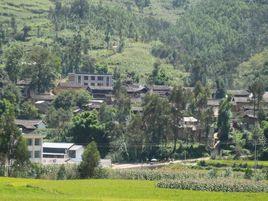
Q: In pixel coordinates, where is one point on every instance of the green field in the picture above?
(27, 189)
(229, 163)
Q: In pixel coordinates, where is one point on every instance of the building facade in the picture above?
(33, 139)
(90, 80)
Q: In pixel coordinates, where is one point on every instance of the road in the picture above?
(148, 165)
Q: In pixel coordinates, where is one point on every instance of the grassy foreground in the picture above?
(28, 189)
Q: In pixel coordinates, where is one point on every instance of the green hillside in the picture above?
(204, 40)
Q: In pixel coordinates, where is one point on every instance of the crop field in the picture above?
(103, 190)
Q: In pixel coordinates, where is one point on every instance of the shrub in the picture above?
(212, 173)
(259, 175)
(248, 173)
(222, 185)
(61, 173)
(228, 172)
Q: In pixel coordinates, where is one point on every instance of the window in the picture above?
(72, 153)
(79, 79)
(85, 77)
(30, 154)
(100, 84)
(29, 142)
(93, 78)
(37, 142)
(85, 84)
(37, 154)
(100, 78)
(92, 84)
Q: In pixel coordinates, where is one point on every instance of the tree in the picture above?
(178, 99)
(13, 25)
(28, 111)
(90, 161)
(79, 9)
(82, 97)
(156, 124)
(257, 90)
(87, 128)
(158, 75)
(26, 30)
(11, 93)
(64, 100)
(9, 134)
(257, 138)
(224, 120)
(13, 62)
(220, 89)
(239, 143)
(21, 154)
(42, 68)
(4, 80)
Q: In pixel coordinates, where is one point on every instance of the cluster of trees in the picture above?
(210, 40)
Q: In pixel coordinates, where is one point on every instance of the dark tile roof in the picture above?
(238, 92)
(161, 88)
(45, 97)
(28, 124)
(135, 88)
(105, 88)
(69, 85)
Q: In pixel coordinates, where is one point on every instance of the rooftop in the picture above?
(28, 124)
(189, 119)
(57, 145)
(238, 92)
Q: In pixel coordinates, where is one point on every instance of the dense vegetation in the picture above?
(206, 39)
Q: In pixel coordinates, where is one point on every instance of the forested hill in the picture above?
(189, 39)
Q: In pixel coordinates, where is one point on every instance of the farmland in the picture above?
(27, 189)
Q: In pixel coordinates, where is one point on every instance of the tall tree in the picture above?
(224, 120)
(156, 124)
(9, 134)
(42, 68)
(178, 99)
(257, 90)
(90, 161)
(13, 64)
(87, 128)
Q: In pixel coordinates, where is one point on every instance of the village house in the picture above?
(136, 91)
(215, 106)
(33, 139)
(61, 153)
(161, 90)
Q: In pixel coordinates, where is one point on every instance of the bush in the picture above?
(220, 185)
(228, 172)
(61, 173)
(248, 173)
(212, 173)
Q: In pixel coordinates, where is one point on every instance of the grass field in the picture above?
(103, 190)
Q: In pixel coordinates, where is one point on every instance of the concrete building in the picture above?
(90, 80)
(33, 139)
(61, 153)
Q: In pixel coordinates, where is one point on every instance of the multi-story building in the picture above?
(33, 139)
(91, 80)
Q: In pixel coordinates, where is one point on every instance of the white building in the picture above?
(34, 140)
(90, 80)
(61, 153)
